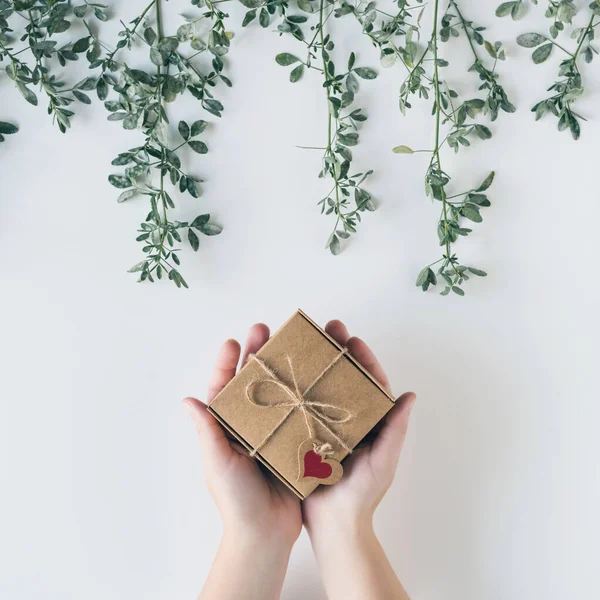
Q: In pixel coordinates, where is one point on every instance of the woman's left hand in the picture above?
(252, 502)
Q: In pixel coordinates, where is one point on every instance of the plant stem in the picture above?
(590, 25)
(328, 151)
(159, 26)
(141, 18)
(559, 46)
(436, 151)
(163, 234)
(466, 29)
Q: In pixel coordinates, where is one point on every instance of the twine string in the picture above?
(310, 409)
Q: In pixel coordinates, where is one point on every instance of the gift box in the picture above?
(301, 405)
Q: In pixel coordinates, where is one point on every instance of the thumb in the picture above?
(388, 444)
(213, 441)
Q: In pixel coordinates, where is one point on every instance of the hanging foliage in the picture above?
(37, 45)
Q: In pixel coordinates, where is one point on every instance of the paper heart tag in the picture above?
(315, 465)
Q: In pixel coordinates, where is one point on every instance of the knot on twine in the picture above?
(323, 450)
(320, 412)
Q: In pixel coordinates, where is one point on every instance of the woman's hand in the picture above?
(370, 470)
(261, 517)
(339, 518)
(248, 497)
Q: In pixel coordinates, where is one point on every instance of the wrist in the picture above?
(250, 539)
(341, 532)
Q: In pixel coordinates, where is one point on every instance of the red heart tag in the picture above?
(315, 467)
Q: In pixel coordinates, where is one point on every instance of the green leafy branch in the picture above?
(461, 117)
(567, 90)
(347, 198)
(394, 34)
(155, 168)
(38, 23)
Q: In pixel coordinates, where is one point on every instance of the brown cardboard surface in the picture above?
(347, 385)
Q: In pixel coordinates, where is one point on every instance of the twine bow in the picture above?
(310, 409)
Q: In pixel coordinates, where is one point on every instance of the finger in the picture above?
(227, 361)
(364, 355)
(237, 447)
(257, 338)
(337, 330)
(280, 488)
(388, 444)
(213, 441)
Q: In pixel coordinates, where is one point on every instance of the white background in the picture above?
(497, 492)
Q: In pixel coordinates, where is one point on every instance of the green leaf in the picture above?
(100, 15)
(213, 106)
(129, 122)
(352, 83)
(156, 56)
(197, 146)
(137, 267)
(487, 182)
(198, 127)
(28, 94)
(199, 221)
(7, 128)
(251, 3)
(471, 212)
(542, 53)
(185, 32)
(81, 45)
(191, 187)
(518, 10)
(264, 18)
(350, 139)
(296, 73)
(334, 245)
(184, 130)
(126, 195)
(458, 290)
(403, 150)
(101, 89)
(119, 181)
(94, 52)
(210, 229)
(365, 72)
(249, 17)
(84, 98)
(285, 59)
(423, 277)
(193, 239)
(483, 132)
(504, 9)
(305, 6)
(574, 127)
(150, 35)
(531, 40)
(477, 272)
(351, 61)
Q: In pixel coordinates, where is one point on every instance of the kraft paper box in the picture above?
(301, 405)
